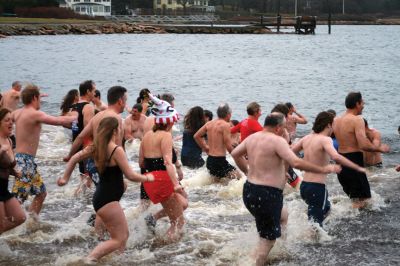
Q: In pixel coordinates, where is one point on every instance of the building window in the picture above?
(169, 2)
(107, 9)
(77, 0)
(158, 2)
(86, 1)
(97, 1)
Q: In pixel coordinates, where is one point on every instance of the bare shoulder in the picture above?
(128, 119)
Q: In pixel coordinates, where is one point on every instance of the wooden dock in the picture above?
(301, 24)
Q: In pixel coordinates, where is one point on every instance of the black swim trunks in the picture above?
(316, 197)
(265, 204)
(355, 184)
(218, 166)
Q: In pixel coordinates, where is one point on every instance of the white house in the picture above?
(88, 7)
(171, 5)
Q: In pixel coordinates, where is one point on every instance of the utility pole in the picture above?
(329, 16)
(278, 18)
(343, 7)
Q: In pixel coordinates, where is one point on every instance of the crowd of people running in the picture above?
(266, 154)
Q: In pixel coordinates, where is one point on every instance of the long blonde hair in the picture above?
(104, 134)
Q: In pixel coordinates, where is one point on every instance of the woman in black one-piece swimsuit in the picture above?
(112, 164)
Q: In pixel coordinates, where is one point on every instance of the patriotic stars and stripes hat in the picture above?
(164, 113)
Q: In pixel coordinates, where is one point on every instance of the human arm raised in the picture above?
(44, 118)
(299, 118)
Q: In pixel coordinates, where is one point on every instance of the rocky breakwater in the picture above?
(60, 29)
(121, 28)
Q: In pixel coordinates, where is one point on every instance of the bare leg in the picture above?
(284, 220)
(115, 222)
(37, 203)
(174, 211)
(183, 201)
(11, 215)
(263, 248)
(99, 227)
(360, 203)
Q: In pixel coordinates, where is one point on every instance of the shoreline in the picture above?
(106, 27)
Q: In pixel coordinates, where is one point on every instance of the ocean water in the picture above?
(313, 72)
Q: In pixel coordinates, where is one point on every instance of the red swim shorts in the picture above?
(161, 189)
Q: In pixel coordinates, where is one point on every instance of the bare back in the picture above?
(219, 137)
(314, 152)
(153, 141)
(267, 153)
(347, 128)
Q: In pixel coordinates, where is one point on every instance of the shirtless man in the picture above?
(219, 141)
(318, 149)
(11, 98)
(116, 98)
(372, 158)
(267, 153)
(293, 119)
(349, 130)
(98, 104)
(28, 125)
(133, 124)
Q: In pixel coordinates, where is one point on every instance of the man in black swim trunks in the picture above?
(349, 130)
(219, 141)
(267, 152)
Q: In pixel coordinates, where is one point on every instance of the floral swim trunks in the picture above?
(30, 183)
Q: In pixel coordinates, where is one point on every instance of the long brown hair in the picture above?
(104, 134)
(194, 119)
